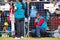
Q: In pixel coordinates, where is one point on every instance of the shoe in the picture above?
(22, 37)
(16, 38)
(38, 36)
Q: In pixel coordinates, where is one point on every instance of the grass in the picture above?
(30, 38)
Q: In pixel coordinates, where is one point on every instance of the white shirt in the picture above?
(53, 8)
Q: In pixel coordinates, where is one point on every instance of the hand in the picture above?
(10, 6)
(36, 20)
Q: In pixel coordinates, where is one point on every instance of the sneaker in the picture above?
(16, 38)
(22, 37)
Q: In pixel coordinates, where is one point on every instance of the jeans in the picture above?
(38, 31)
(19, 27)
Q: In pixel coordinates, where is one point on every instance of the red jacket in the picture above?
(39, 23)
(58, 21)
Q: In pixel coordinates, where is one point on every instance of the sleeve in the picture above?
(35, 24)
(15, 6)
(25, 5)
(47, 16)
(40, 22)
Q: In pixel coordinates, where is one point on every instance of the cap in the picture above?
(6, 23)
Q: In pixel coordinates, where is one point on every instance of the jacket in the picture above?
(20, 12)
(41, 23)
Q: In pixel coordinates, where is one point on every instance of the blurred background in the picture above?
(49, 9)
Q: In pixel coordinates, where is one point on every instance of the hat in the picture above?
(6, 23)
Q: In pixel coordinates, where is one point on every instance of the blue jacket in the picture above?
(33, 11)
(47, 17)
(20, 12)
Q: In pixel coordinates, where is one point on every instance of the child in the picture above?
(6, 30)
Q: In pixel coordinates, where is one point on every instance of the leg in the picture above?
(33, 31)
(0, 27)
(0, 30)
(17, 28)
(38, 31)
(22, 28)
(42, 31)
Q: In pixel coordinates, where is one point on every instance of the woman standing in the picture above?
(19, 18)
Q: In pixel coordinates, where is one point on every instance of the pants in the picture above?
(1, 26)
(19, 27)
(38, 31)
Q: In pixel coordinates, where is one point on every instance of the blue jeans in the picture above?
(38, 31)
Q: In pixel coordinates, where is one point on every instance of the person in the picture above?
(6, 30)
(33, 12)
(1, 22)
(40, 25)
(19, 19)
(0, 19)
(58, 9)
(47, 17)
(53, 7)
(57, 31)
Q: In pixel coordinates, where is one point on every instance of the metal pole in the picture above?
(28, 20)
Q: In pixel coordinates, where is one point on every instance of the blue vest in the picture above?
(44, 25)
(20, 12)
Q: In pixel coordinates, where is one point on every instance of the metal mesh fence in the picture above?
(35, 7)
(5, 12)
(32, 9)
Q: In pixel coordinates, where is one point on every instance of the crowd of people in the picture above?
(17, 14)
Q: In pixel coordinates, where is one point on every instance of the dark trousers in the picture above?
(0, 27)
(19, 27)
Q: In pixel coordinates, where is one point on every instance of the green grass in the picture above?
(30, 38)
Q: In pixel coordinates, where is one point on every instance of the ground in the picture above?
(30, 38)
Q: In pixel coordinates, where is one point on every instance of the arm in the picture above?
(35, 24)
(15, 7)
(40, 22)
(4, 28)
